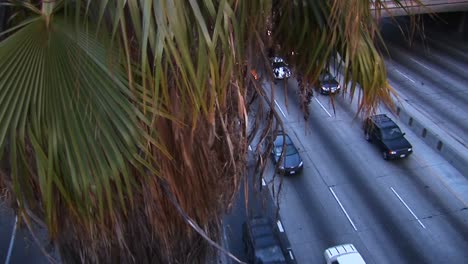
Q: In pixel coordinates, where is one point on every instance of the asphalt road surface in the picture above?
(23, 247)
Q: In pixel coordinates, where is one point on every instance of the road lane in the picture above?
(448, 113)
(386, 227)
(439, 80)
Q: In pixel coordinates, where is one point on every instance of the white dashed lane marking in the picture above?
(323, 107)
(404, 75)
(280, 226)
(281, 110)
(407, 207)
(423, 65)
(12, 242)
(342, 208)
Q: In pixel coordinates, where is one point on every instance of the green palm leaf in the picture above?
(67, 96)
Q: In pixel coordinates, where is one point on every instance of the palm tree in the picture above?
(124, 123)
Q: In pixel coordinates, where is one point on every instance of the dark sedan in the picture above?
(328, 84)
(292, 161)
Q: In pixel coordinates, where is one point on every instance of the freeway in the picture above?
(394, 212)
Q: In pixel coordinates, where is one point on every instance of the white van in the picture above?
(343, 254)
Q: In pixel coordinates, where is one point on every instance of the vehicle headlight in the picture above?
(325, 88)
(392, 152)
(281, 167)
(410, 149)
(301, 163)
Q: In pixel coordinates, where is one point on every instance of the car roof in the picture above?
(353, 258)
(340, 250)
(346, 254)
(383, 121)
(280, 137)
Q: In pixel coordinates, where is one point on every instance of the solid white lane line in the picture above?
(12, 241)
(404, 75)
(291, 254)
(407, 207)
(342, 208)
(263, 182)
(281, 110)
(323, 107)
(421, 64)
(280, 226)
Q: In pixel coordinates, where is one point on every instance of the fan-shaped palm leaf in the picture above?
(65, 96)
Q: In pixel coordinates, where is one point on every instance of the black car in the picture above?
(262, 244)
(386, 134)
(281, 70)
(292, 161)
(328, 84)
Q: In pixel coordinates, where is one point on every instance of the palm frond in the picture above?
(66, 96)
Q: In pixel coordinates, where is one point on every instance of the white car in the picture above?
(281, 70)
(343, 254)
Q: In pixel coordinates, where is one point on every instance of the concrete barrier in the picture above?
(435, 137)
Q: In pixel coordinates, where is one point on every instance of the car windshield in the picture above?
(326, 77)
(391, 133)
(290, 148)
(279, 64)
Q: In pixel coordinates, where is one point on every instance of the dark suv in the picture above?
(262, 243)
(386, 134)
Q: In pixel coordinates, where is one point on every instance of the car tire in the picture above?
(385, 155)
(367, 136)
